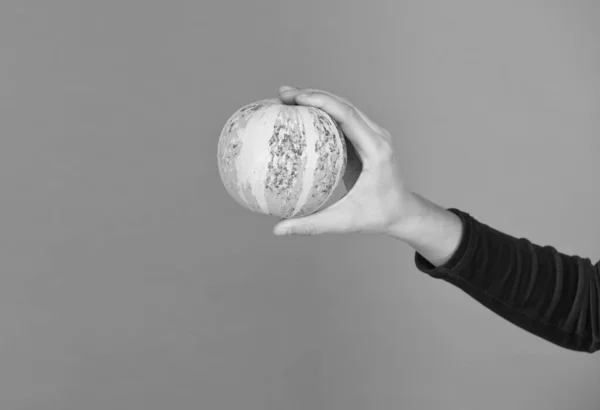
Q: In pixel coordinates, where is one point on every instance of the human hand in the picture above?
(376, 198)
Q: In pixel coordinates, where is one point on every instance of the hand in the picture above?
(376, 195)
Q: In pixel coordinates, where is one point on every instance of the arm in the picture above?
(547, 293)
(431, 230)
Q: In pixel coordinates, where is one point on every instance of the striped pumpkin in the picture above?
(282, 160)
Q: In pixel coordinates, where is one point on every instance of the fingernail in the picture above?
(287, 88)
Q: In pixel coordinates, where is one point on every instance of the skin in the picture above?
(376, 195)
(377, 200)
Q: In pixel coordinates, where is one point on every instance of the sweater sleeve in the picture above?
(549, 294)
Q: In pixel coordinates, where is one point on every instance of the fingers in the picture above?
(287, 95)
(324, 221)
(352, 122)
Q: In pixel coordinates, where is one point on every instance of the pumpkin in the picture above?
(279, 159)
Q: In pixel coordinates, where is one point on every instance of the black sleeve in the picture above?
(549, 294)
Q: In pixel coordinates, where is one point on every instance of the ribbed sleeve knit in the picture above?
(547, 293)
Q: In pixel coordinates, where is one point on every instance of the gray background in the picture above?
(130, 280)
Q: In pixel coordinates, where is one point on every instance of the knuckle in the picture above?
(309, 229)
(384, 151)
(350, 112)
(304, 93)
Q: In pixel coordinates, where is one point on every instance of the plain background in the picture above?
(130, 280)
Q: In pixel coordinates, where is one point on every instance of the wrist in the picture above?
(433, 231)
(411, 213)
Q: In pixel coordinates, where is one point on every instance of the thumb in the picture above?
(325, 221)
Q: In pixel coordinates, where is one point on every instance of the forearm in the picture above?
(433, 231)
(550, 294)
